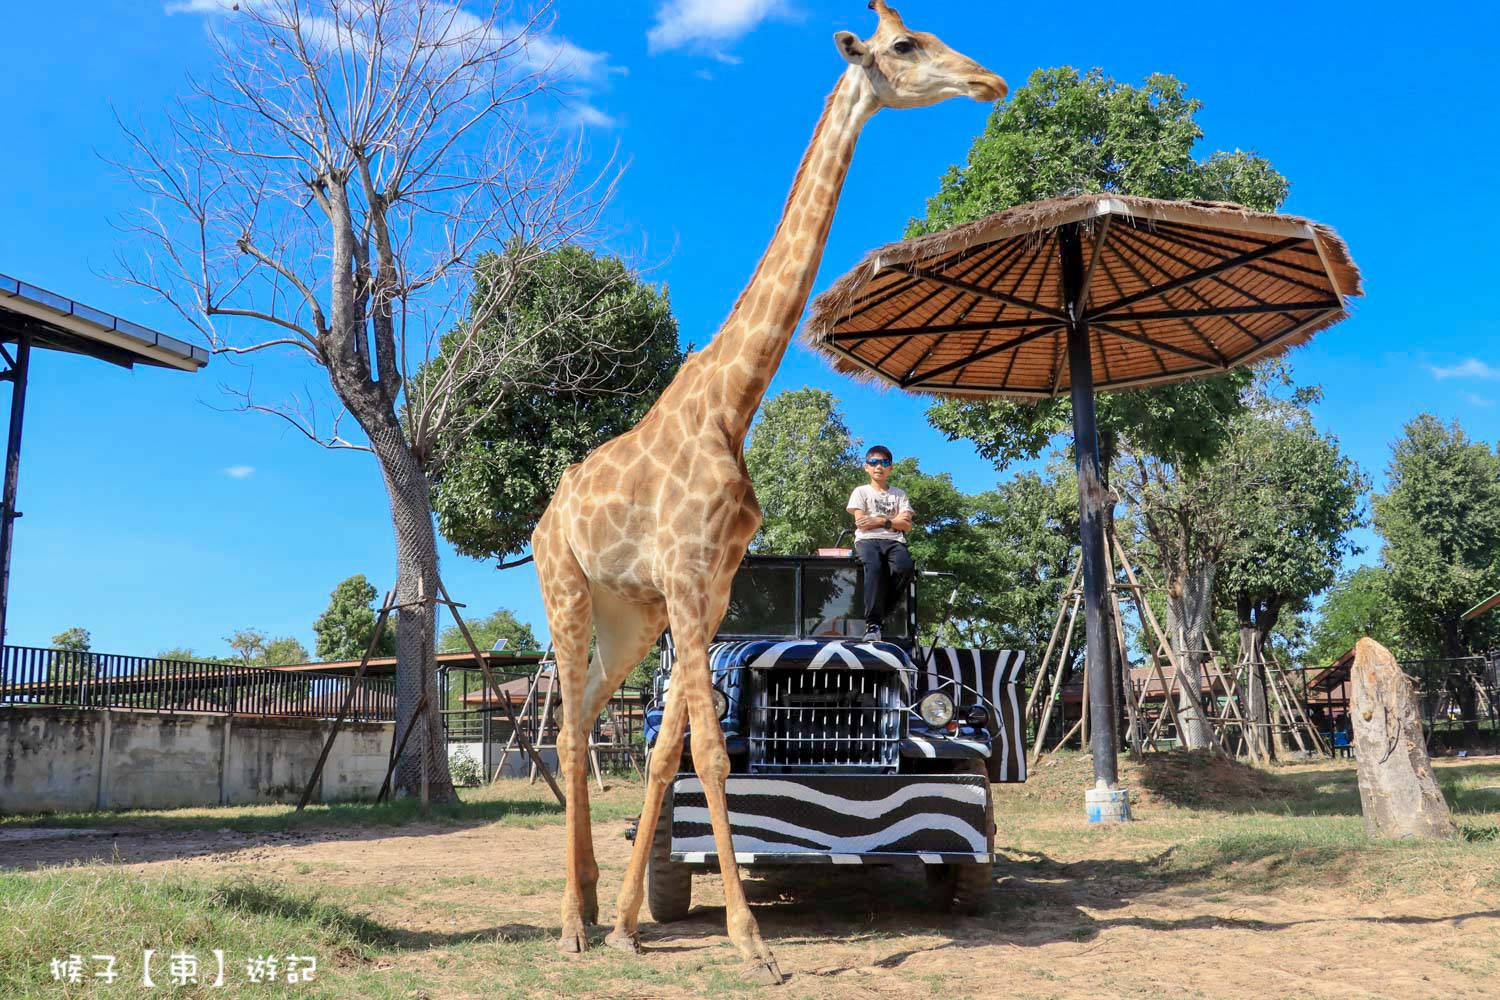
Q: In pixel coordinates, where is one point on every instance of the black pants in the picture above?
(888, 570)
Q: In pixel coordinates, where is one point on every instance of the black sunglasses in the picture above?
(885, 462)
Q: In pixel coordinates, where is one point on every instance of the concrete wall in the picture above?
(517, 763)
(67, 759)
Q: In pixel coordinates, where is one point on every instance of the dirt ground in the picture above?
(1094, 912)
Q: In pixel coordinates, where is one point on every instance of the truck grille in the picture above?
(825, 720)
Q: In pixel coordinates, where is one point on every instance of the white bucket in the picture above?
(1107, 805)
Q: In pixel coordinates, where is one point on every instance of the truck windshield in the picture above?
(762, 601)
(833, 603)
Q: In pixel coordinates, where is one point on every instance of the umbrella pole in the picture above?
(1106, 801)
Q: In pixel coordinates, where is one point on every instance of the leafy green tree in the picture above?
(502, 624)
(187, 654)
(73, 662)
(345, 627)
(803, 463)
(75, 640)
(253, 648)
(1011, 549)
(1292, 501)
(249, 644)
(1070, 133)
(1357, 605)
(616, 337)
(285, 652)
(1440, 521)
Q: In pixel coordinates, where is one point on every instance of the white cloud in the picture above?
(584, 113)
(679, 22)
(1467, 368)
(1475, 400)
(541, 52)
(240, 471)
(200, 6)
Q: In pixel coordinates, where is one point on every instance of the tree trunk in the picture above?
(1252, 658)
(1398, 794)
(1460, 683)
(1257, 712)
(416, 659)
(1188, 599)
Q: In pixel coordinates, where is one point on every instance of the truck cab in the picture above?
(842, 751)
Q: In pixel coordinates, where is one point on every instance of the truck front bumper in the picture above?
(848, 819)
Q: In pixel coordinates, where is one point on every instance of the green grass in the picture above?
(101, 912)
(1288, 827)
(507, 802)
(1212, 830)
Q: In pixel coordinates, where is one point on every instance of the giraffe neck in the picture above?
(748, 348)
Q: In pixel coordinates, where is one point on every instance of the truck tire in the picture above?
(669, 884)
(965, 888)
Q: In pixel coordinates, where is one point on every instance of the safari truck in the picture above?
(842, 751)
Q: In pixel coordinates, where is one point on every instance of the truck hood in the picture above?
(810, 654)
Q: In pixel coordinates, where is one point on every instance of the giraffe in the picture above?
(647, 532)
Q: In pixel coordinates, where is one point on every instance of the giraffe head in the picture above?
(912, 69)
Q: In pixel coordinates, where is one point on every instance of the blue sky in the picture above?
(156, 518)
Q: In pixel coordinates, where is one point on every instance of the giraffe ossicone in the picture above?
(647, 532)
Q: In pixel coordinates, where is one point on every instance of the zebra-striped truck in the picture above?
(843, 752)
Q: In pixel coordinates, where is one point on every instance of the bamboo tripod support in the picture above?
(542, 719)
(539, 716)
(1219, 683)
(398, 745)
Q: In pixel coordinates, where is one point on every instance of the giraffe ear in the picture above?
(851, 48)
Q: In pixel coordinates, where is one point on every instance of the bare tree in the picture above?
(325, 193)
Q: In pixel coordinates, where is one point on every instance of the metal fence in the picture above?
(1458, 699)
(32, 676)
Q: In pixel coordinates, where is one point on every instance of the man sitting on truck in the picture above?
(882, 517)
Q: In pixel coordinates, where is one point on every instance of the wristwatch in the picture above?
(887, 524)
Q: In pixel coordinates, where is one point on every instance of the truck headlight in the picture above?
(721, 703)
(936, 709)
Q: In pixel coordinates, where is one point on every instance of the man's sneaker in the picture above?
(872, 633)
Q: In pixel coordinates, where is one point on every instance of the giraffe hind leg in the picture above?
(624, 633)
(566, 594)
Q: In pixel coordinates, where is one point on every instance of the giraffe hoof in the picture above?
(766, 973)
(628, 943)
(573, 942)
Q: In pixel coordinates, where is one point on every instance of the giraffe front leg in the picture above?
(711, 761)
(665, 757)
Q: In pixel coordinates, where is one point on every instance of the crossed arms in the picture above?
(869, 522)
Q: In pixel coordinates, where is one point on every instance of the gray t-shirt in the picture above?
(892, 502)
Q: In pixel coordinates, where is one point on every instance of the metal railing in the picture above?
(64, 678)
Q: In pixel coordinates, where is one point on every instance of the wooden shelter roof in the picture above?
(1483, 607)
(1176, 290)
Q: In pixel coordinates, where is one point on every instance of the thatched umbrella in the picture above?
(1083, 293)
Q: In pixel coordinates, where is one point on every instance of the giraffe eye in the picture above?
(904, 47)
